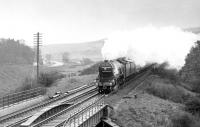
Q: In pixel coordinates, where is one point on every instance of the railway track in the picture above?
(87, 113)
(19, 117)
(80, 97)
(139, 78)
(58, 119)
(82, 116)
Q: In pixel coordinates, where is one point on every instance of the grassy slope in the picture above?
(164, 89)
(12, 76)
(145, 109)
(68, 83)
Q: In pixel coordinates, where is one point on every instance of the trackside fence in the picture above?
(14, 98)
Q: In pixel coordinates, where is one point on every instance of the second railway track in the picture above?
(59, 118)
(80, 98)
(16, 118)
(138, 78)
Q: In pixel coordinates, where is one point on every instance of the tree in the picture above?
(86, 61)
(48, 58)
(65, 57)
(191, 69)
(14, 52)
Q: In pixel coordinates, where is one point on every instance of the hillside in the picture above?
(12, 76)
(139, 108)
(16, 61)
(15, 52)
(90, 50)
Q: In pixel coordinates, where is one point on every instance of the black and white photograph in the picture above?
(100, 63)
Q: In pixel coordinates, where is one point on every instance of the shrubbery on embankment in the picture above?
(91, 70)
(46, 79)
(171, 89)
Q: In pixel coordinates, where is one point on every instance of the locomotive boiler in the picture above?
(113, 73)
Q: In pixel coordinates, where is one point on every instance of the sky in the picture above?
(72, 21)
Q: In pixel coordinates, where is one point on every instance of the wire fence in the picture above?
(14, 98)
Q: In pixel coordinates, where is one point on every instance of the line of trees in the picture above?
(65, 57)
(191, 69)
(190, 72)
(14, 52)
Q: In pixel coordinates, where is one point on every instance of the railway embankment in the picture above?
(22, 105)
(154, 103)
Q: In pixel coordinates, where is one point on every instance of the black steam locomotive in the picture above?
(113, 73)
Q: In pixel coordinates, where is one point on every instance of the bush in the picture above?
(73, 80)
(196, 123)
(86, 61)
(182, 120)
(14, 52)
(90, 70)
(193, 105)
(190, 70)
(65, 57)
(28, 83)
(163, 71)
(167, 91)
(47, 79)
(195, 85)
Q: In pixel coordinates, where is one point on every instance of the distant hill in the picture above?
(76, 51)
(195, 30)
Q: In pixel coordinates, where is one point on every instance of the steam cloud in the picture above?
(150, 44)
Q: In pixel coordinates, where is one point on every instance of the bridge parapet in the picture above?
(89, 116)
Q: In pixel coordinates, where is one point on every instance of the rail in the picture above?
(15, 98)
(64, 111)
(91, 115)
(94, 111)
(30, 109)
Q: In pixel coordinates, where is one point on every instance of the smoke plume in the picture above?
(150, 44)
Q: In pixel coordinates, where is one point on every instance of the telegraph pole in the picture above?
(38, 39)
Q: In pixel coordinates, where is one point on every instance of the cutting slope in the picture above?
(12, 76)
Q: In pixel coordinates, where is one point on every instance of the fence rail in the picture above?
(14, 98)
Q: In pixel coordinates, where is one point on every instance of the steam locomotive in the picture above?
(113, 73)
